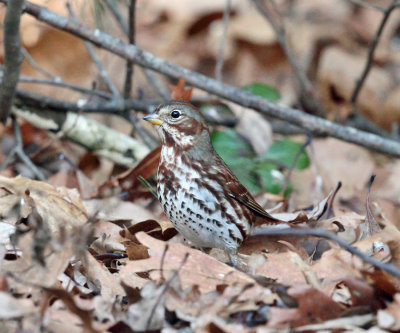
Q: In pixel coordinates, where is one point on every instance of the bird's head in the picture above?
(179, 124)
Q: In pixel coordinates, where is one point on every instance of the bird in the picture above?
(198, 192)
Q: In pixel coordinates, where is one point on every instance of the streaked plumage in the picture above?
(200, 195)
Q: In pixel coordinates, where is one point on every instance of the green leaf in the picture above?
(238, 155)
(263, 90)
(229, 145)
(272, 180)
(284, 151)
(243, 168)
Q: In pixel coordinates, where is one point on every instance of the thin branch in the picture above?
(103, 73)
(371, 52)
(305, 86)
(54, 80)
(118, 17)
(62, 84)
(221, 50)
(368, 5)
(157, 85)
(391, 269)
(115, 107)
(159, 88)
(34, 101)
(18, 151)
(131, 40)
(36, 66)
(12, 57)
(165, 289)
(147, 139)
(92, 53)
(314, 125)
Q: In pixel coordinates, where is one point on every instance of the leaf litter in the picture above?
(101, 264)
(83, 255)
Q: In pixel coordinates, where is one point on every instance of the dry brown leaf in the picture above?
(72, 63)
(279, 266)
(137, 251)
(336, 264)
(362, 293)
(54, 216)
(199, 269)
(60, 207)
(63, 178)
(313, 306)
(110, 284)
(114, 209)
(179, 93)
(108, 237)
(339, 161)
(337, 73)
(163, 230)
(87, 187)
(13, 308)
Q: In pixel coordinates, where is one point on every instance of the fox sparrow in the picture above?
(200, 195)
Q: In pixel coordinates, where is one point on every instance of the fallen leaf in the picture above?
(14, 308)
(199, 269)
(179, 93)
(313, 306)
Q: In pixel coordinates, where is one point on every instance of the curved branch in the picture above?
(392, 269)
(310, 123)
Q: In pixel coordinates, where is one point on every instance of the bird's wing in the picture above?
(237, 191)
(242, 195)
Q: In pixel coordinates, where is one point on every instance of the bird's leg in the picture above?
(233, 256)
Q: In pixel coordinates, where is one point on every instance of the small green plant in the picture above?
(263, 90)
(259, 172)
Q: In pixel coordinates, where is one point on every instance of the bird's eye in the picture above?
(175, 114)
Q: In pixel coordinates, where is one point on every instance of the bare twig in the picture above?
(92, 53)
(166, 248)
(115, 107)
(157, 85)
(103, 73)
(392, 269)
(12, 57)
(117, 14)
(62, 84)
(159, 88)
(305, 86)
(147, 139)
(131, 40)
(36, 66)
(311, 123)
(220, 60)
(371, 52)
(368, 5)
(18, 151)
(165, 289)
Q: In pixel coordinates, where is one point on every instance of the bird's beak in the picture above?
(153, 118)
